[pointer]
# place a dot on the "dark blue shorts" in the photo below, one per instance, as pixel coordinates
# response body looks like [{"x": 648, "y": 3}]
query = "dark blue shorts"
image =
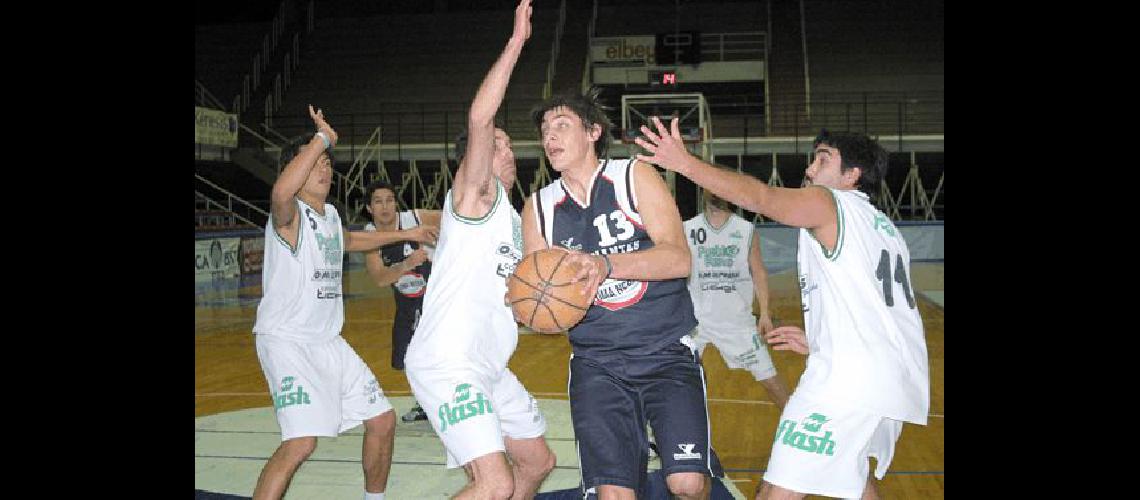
[
  {"x": 403, "y": 327},
  {"x": 611, "y": 400}
]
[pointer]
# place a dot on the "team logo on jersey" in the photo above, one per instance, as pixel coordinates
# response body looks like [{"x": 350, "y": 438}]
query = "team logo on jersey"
[
  {"x": 787, "y": 435},
  {"x": 462, "y": 407},
  {"x": 619, "y": 294},
  {"x": 726, "y": 287},
  {"x": 326, "y": 275},
  {"x": 569, "y": 243},
  {"x": 411, "y": 285},
  {"x": 286, "y": 396},
  {"x": 718, "y": 255},
  {"x": 736, "y": 234},
  {"x": 686, "y": 452},
  {"x": 805, "y": 290},
  {"x": 882, "y": 222},
  {"x": 511, "y": 255},
  {"x": 330, "y": 247}
]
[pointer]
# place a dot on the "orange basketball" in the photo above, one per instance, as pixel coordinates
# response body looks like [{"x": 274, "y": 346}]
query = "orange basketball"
[{"x": 543, "y": 294}]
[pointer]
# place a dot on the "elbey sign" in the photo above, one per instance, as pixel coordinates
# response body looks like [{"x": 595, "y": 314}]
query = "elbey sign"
[{"x": 624, "y": 49}]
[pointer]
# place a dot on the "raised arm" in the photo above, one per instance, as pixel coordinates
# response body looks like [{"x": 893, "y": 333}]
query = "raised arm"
[
  {"x": 283, "y": 208},
  {"x": 812, "y": 208},
  {"x": 473, "y": 192}
]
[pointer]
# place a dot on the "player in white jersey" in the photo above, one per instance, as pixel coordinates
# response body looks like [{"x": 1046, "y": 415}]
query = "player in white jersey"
[
  {"x": 457, "y": 360},
  {"x": 727, "y": 269},
  {"x": 867, "y": 368},
  {"x": 319, "y": 385},
  {"x": 405, "y": 266}
]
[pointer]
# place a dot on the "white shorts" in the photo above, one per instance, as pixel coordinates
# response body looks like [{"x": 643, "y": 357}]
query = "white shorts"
[
  {"x": 318, "y": 389},
  {"x": 822, "y": 449},
  {"x": 471, "y": 412},
  {"x": 740, "y": 349}
]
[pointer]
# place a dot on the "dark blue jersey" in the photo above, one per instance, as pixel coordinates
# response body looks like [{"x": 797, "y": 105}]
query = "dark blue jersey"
[
  {"x": 408, "y": 290},
  {"x": 628, "y": 316}
]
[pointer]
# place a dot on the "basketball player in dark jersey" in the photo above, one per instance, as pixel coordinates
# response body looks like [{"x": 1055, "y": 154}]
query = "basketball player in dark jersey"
[
  {"x": 633, "y": 360},
  {"x": 405, "y": 266}
]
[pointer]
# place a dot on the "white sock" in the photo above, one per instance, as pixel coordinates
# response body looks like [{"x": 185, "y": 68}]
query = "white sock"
[{"x": 373, "y": 496}]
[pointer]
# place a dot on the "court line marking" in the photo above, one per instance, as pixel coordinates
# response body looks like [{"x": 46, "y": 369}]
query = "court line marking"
[
  {"x": 564, "y": 467},
  {"x": 423, "y": 433},
  {"x": 904, "y": 472},
  {"x": 356, "y": 461},
  {"x": 560, "y": 395}
]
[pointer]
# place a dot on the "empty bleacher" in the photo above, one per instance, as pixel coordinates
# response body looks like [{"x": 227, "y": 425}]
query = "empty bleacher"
[{"x": 412, "y": 74}]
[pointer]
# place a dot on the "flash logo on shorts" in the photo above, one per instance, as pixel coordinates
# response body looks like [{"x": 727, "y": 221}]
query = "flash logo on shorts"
[
  {"x": 686, "y": 452},
  {"x": 284, "y": 398},
  {"x": 787, "y": 435},
  {"x": 372, "y": 391},
  {"x": 450, "y": 415}
]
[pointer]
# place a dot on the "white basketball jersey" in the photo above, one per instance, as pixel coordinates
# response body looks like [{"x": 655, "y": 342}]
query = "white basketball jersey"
[
  {"x": 465, "y": 322},
  {"x": 301, "y": 289},
  {"x": 720, "y": 282},
  {"x": 864, "y": 331}
]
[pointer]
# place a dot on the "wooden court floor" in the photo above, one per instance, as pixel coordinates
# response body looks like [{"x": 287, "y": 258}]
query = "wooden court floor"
[{"x": 228, "y": 377}]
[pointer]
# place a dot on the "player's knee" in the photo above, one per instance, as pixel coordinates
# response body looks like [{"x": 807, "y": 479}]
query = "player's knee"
[
  {"x": 492, "y": 480},
  {"x": 686, "y": 484},
  {"x": 298, "y": 449},
  {"x": 769, "y": 491},
  {"x": 497, "y": 486},
  {"x": 545, "y": 463},
  {"x": 382, "y": 424}
]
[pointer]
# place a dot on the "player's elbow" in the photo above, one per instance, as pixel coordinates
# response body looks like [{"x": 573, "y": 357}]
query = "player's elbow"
[{"x": 479, "y": 119}]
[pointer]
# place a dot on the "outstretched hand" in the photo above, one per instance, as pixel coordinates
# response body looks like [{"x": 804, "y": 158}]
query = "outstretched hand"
[
  {"x": 788, "y": 338},
  {"x": 666, "y": 145},
  {"x": 423, "y": 234},
  {"x": 318, "y": 117},
  {"x": 522, "y": 20}
]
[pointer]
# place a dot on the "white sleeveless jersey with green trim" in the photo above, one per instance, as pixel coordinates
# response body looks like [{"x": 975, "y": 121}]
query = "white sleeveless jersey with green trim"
[
  {"x": 720, "y": 282},
  {"x": 465, "y": 322},
  {"x": 867, "y": 347},
  {"x": 301, "y": 288}
]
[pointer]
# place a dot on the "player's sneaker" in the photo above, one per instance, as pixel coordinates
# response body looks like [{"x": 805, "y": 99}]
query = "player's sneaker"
[{"x": 416, "y": 413}]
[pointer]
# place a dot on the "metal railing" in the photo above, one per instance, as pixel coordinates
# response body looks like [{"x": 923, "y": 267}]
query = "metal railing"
[
  {"x": 744, "y": 46},
  {"x": 241, "y": 209},
  {"x": 203, "y": 97},
  {"x": 586, "y": 69},
  {"x": 416, "y": 124},
  {"x": 554, "y": 49}
]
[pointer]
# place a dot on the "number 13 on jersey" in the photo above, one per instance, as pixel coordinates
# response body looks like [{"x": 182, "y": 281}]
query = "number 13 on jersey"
[{"x": 624, "y": 228}]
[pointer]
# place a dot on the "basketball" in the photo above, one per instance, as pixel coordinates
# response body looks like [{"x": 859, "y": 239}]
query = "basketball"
[{"x": 544, "y": 296}]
